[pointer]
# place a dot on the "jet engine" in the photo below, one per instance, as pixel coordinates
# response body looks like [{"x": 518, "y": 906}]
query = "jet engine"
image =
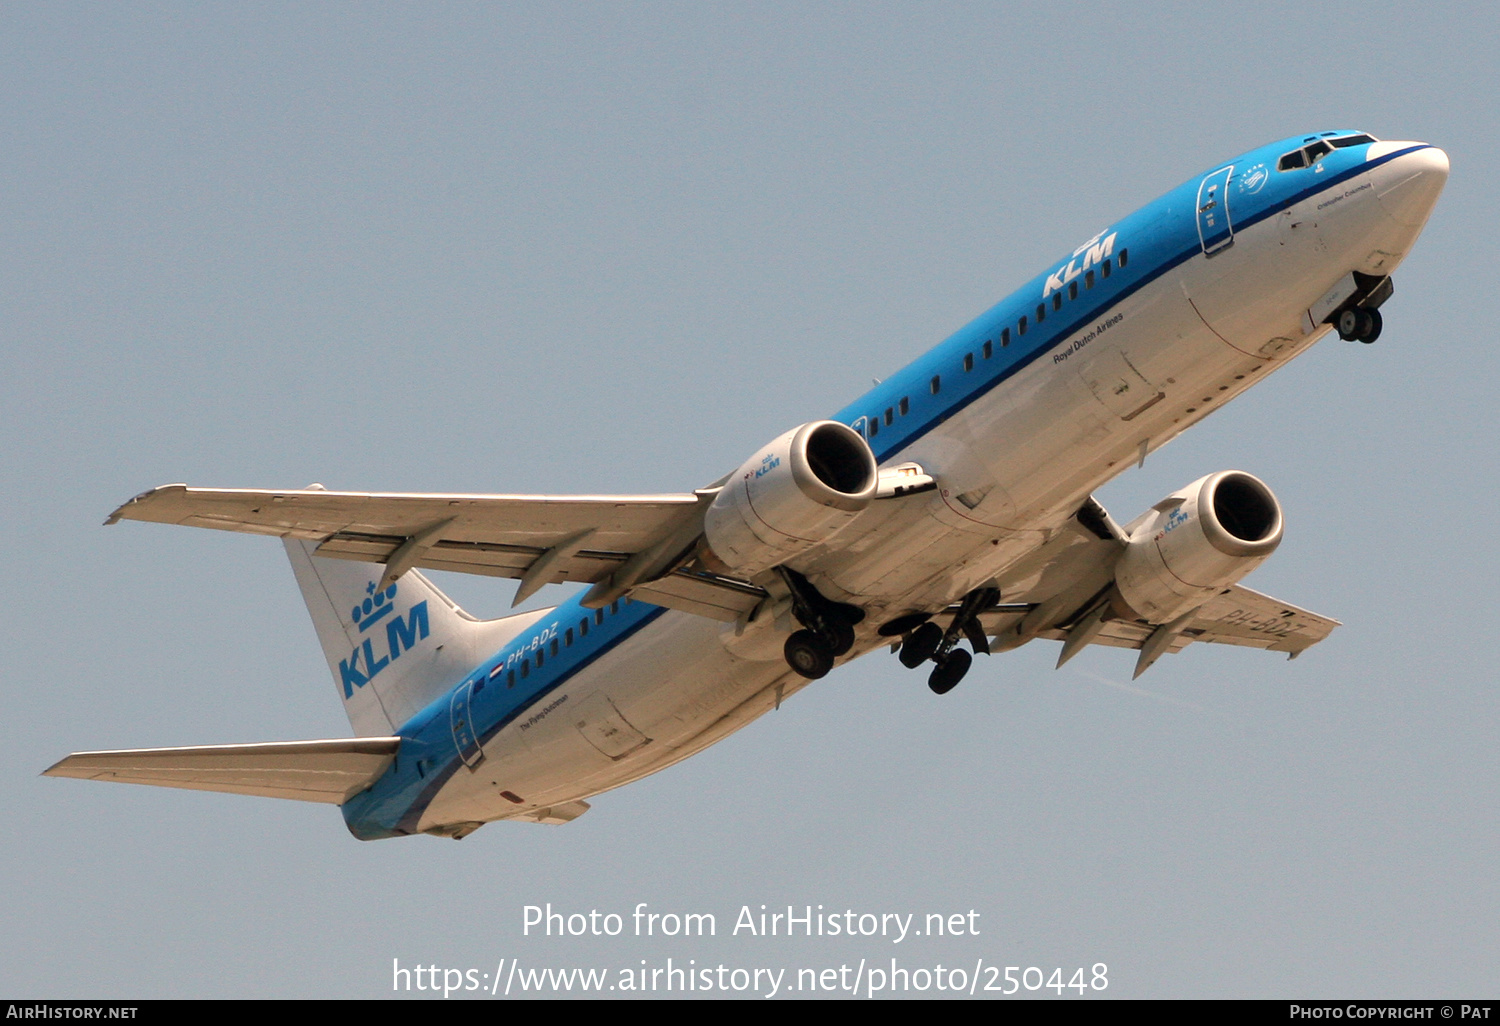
[
  {"x": 799, "y": 490},
  {"x": 1195, "y": 542}
]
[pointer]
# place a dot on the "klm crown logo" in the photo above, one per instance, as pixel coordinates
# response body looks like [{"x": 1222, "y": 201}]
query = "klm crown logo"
[
  {"x": 401, "y": 634},
  {"x": 375, "y": 606}
]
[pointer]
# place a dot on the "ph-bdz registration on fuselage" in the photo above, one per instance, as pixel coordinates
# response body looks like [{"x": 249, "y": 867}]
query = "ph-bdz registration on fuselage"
[{"x": 949, "y": 506}]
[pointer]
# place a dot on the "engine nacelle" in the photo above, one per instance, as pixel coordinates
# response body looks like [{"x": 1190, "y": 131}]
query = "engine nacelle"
[
  {"x": 796, "y": 492},
  {"x": 1197, "y": 541}
]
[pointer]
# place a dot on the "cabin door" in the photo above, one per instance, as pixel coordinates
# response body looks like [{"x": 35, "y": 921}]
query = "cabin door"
[
  {"x": 462, "y": 719},
  {"x": 1214, "y": 228}
]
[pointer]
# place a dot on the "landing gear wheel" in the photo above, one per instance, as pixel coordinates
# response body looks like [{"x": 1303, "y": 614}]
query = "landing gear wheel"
[
  {"x": 841, "y": 637},
  {"x": 950, "y": 671},
  {"x": 918, "y": 648},
  {"x": 1372, "y": 331},
  {"x": 808, "y": 654},
  {"x": 1349, "y": 323}
]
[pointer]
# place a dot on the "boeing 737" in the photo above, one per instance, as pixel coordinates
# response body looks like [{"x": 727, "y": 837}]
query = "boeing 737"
[{"x": 949, "y": 506}]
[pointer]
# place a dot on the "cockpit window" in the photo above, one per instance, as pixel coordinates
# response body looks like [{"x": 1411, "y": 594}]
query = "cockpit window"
[
  {"x": 1316, "y": 152},
  {"x": 1317, "y": 149}
]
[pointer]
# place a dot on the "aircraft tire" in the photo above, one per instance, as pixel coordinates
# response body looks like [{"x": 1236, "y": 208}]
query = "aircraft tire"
[
  {"x": 841, "y": 639},
  {"x": 918, "y": 648},
  {"x": 808, "y": 654},
  {"x": 1348, "y": 324},
  {"x": 1372, "y": 331},
  {"x": 946, "y": 675}
]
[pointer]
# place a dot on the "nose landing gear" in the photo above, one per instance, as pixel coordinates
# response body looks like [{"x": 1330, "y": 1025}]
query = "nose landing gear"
[
  {"x": 1358, "y": 314},
  {"x": 1359, "y": 323}
]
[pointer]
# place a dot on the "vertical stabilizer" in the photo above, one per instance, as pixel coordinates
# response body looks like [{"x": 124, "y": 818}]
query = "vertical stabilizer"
[{"x": 392, "y": 650}]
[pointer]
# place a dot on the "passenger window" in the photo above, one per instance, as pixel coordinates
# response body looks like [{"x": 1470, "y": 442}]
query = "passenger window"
[
  {"x": 1022, "y": 326},
  {"x": 1124, "y": 258},
  {"x": 989, "y": 349},
  {"x": 1005, "y": 338},
  {"x": 968, "y": 361},
  {"x": 568, "y": 638},
  {"x": 1072, "y": 290},
  {"x": 525, "y": 668},
  {"x": 599, "y": 616},
  {"x": 937, "y": 382},
  {"x": 541, "y": 658},
  {"x": 1041, "y": 312},
  {"x": 510, "y": 679},
  {"x": 1057, "y": 300},
  {"x": 1106, "y": 268},
  {"x": 874, "y": 425},
  {"x": 903, "y": 406},
  {"x": 583, "y": 627},
  {"x": 614, "y": 607},
  {"x": 1088, "y": 280},
  {"x": 555, "y": 646},
  {"x": 890, "y": 415}
]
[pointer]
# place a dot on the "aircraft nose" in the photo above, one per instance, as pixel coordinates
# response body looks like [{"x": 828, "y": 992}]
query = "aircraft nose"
[{"x": 1410, "y": 184}]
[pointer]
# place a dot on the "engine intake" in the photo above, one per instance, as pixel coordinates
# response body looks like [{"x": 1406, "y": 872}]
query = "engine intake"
[
  {"x": 800, "y": 490},
  {"x": 1197, "y": 541}
]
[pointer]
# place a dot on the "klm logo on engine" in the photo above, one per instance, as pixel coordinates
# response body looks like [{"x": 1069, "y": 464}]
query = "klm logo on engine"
[
  {"x": 401, "y": 635},
  {"x": 1175, "y": 519},
  {"x": 1095, "y": 251},
  {"x": 767, "y": 465}
]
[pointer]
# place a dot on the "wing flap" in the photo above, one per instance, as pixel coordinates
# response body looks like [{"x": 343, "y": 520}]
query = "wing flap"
[
  {"x": 328, "y": 771},
  {"x": 701, "y": 593}
]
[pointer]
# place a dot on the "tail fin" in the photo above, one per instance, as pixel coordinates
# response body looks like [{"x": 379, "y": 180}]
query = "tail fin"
[{"x": 393, "y": 650}]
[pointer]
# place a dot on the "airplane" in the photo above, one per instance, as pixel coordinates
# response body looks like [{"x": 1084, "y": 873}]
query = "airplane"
[{"x": 949, "y": 505}]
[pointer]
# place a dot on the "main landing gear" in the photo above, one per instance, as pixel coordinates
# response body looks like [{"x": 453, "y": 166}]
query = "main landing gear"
[
  {"x": 828, "y": 627},
  {"x": 925, "y": 640},
  {"x": 1359, "y": 323}
]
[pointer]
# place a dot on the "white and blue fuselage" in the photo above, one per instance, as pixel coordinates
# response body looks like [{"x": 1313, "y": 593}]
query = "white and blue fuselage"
[{"x": 1107, "y": 354}]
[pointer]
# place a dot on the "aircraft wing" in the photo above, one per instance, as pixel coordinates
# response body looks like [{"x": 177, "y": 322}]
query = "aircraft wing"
[
  {"x": 1236, "y": 616},
  {"x": 616, "y": 542},
  {"x": 1077, "y": 561},
  {"x": 311, "y": 771}
]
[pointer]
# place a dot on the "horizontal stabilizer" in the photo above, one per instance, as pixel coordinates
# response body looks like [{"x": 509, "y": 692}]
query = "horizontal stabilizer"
[{"x": 329, "y": 771}]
